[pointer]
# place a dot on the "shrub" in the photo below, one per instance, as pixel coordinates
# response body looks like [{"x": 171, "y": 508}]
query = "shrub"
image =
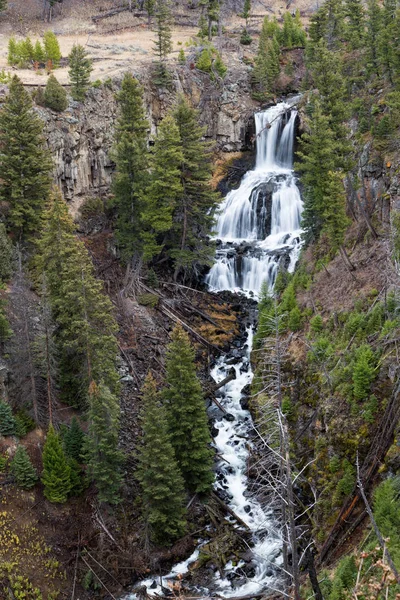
[
  {"x": 55, "y": 97},
  {"x": 316, "y": 324},
  {"x": 363, "y": 372},
  {"x": 245, "y": 38},
  {"x": 181, "y": 57}
]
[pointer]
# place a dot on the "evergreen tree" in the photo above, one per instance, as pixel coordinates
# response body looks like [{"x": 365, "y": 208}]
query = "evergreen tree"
[
  {"x": 246, "y": 10},
  {"x": 193, "y": 217},
  {"x": 388, "y": 39},
  {"x": 328, "y": 79},
  {"x": 102, "y": 455},
  {"x": 165, "y": 189},
  {"x": 5, "y": 330},
  {"x": 266, "y": 66},
  {"x": 73, "y": 441},
  {"x": 38, "y": 52},
  {"x": 52, "y": 50},
  {"x": 187, "y": 415},
  {"x": 8, "y": 424},
  {"x": 21, "y": 467},
  {"x": 163, "y": 43},
  {"x": 3, "y": 5},
  {"x": 56, "y": 474},
  {"x": 363, "y": 372},
  {"x": 26, "y": 51},
  {"x": 318, "y": 154},
  {"x": 162, "y": 484},
  {"x": 213, "y": 14},
  {"x": 55, "y": 96},
  {"x": 374, "y": 24},
  {"x": 131, "y": 158},
  {"x": 24, "y": 162},
  {"x": 245, "y": 38},
  {"x": 355, "y": 26},
  {"x": 13, "y": 53},
  {"x": 335, "y": 221},
  {"x": 80, "y": 67},
  {"x": 82, "y": 312},
  {"x": 6, "y": 254}
]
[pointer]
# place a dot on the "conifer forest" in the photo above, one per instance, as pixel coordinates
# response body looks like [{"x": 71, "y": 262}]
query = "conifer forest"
[{"x": 199, "y": 300}]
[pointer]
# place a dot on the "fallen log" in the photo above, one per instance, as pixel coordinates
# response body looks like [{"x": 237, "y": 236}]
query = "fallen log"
[
  {"x": 230, "y": 511},
  {"x": 168, "y": 313},
  {"x": 228, "y": 378},
  {"x": 115, "y": 11}
]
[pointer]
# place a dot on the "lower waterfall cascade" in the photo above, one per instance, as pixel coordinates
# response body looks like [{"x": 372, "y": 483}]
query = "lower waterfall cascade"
[{"x": 258, "y": 232}]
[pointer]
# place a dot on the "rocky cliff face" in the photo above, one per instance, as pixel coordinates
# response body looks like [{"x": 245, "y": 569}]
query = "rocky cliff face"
[{"x": 81, "y": 138}]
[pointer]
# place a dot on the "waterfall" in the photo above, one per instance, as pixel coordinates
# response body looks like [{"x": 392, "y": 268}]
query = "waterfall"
[
  {"x": 258, "y": 226},
  {"x": 258, "y": 229}
]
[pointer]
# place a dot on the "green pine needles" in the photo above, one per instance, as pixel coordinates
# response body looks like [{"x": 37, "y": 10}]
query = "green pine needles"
[
  {"x": 80, "y": 67},
  {"x": 161, "y": 481},
  {"x": 188, "y": 424},
  {"x": 8, "y": 425},
  {"x": 21, "y": 467},
  {"x": 131, "y": 157},
  {"x": 22, "y": 151},
  {"x": 56, "y": 475},
  {"x": 55, "y": 97},
  {"x": 101, "y": 445}
]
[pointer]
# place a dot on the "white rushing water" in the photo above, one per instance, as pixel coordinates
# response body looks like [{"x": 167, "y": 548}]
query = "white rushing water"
[
  {"x": 259, "y": 226},
  {"x": 259, "y": 229},
  {"x": 259, "y": 223}
]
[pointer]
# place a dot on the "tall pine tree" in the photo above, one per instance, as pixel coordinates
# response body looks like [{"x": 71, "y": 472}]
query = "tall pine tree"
[
  {"x": 83, "y": 313},
  {"x": 163, "y": 43},
  {"x": 162, "y": 484},
  {"x": 80, "y": 67},
  {"x": 25, "y": 163},
  {"x": 131, "y": 158},
  {"x": 318, "y": 153},
  {"x": 165, "y": 189},
  {"x": 102, "y": 455},
  {"x": 193, "y": 216},
  {"x": 188, "y": 424}
]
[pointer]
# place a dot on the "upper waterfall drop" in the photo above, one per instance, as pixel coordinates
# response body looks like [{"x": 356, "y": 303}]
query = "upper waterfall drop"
[{"x": 258, "y": 226}]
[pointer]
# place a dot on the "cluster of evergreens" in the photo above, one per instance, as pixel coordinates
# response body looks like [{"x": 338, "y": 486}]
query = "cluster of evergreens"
[
  {"x": 343, "y": 362},
  {"x": 210, "y": 61},
  {"x": 273, "y": 38},
  {"x": 23, "y": 53},
  {"x": 175, "y": 453},
  {"x": 163, "y": 199},
  {"x": 79, "y": 353}
]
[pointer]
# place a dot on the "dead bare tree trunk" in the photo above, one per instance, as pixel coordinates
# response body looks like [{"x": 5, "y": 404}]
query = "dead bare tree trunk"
[{"x": 375, "y": 526}]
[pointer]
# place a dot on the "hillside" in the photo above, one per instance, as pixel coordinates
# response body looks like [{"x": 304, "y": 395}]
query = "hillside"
[{"x": 199, "y": 300}]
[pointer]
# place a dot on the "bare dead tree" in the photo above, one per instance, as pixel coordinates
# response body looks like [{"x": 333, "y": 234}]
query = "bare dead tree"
[
  {"x": 276, "y": 471},
  {"x": 375, "y": 525}
]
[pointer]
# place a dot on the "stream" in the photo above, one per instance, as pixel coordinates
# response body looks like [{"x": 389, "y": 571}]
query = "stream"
[{"x": 257, "y": 232}]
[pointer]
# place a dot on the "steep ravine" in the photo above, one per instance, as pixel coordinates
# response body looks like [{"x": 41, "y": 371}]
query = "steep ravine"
[{"x": 272, "y": 246}]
